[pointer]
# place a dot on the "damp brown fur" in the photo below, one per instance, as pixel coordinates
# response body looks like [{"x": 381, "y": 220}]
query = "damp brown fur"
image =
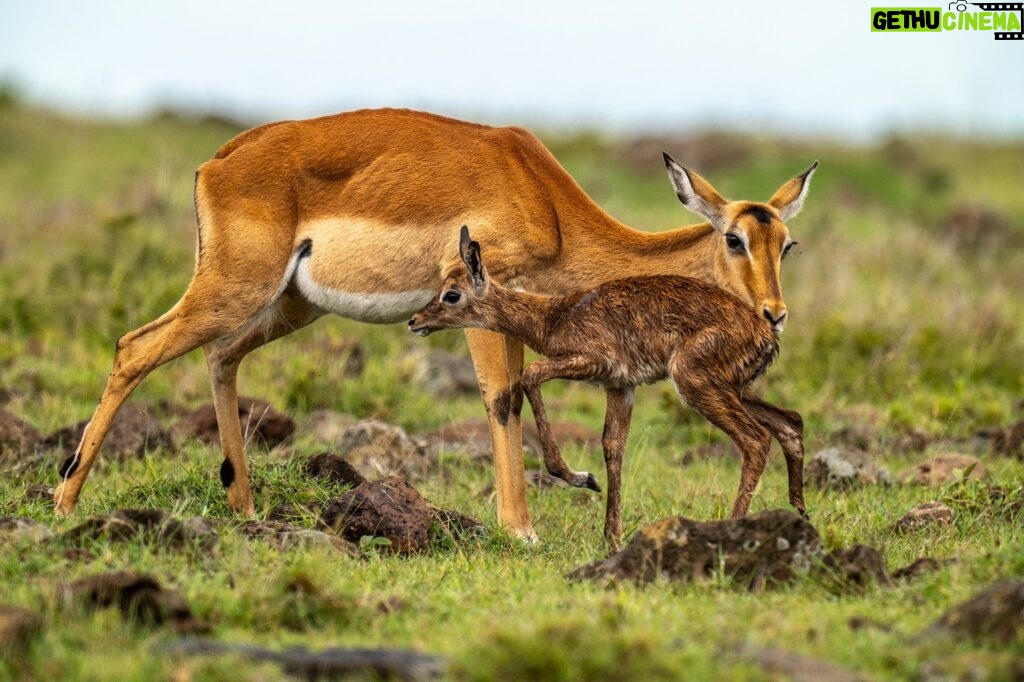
[{"x": 629, "y": 332}]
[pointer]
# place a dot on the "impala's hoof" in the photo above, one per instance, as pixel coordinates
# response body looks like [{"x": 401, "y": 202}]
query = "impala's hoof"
[{"x": 592, "y": 483}]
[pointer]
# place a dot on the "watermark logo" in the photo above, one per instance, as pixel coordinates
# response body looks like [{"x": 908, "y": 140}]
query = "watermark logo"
[{"x": 1002, "y": 19}]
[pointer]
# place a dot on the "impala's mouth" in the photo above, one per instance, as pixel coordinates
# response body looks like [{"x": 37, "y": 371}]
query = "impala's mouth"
[{"x": 419, "y": 329}]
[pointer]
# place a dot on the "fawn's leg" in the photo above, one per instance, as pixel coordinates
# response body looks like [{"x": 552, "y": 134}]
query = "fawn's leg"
[
  {"x": 722, "y": 407},
  {"x": 573, "y": 367},
  {"x": 788, "y": 428},
  {"x": 498, "y": 361},
  {"x": 616, "y": 431},
  {"x": 223, "y": 357}
]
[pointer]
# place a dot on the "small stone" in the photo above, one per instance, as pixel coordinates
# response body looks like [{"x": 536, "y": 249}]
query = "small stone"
[
  {"x": 377, "y": 449},
  {"x": 844, "y": 468},
  {"x": 18, "y": 627},
  {"x": 994, "y": 615},
  {"x": 331, "y": 468},
  {"x": 284, "y": 536},
  {"x": 389, "y": 508},
  {"x": 944, "y": 468},
  {"x": 923, "y": 515}
]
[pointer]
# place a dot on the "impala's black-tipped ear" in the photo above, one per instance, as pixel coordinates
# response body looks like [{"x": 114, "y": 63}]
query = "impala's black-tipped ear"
[
  {"x": 695, "y": 193},
  {"x": 470, "y": 252}
]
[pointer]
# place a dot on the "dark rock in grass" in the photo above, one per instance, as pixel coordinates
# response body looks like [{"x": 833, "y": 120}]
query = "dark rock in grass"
[
  {"x": 17, "y": 437},
  {"x": 18, "y": 627},
  {"x": 329, "y": 664},
  {"x": 844, "y": 468},
  {"x": 919, "y": 567},
  {"x": 924, "y": 515},
  {"x": 262, "y": 425},
  {"x": 995, "y": 615},
  {"x": 138, "y": 596},
  {"x": 854, "y": 568},
  {"x": 458, "y": 525},
  {"x": 133, "y": 433},
  {"x": 944, "y": 468},
  {"x": 18, "y": 528},
  {"x": 782, "y": 664},
  {"x": 39, "y": 492},
  {"x": 154, "y": 524},
  {"x": 389, "y": 508},
  {"x": 284, "y": 536},
  {"x": 377, "y": 449},
  {"x": 755, "y": 551},
  {"x": 331, "y": 468}
]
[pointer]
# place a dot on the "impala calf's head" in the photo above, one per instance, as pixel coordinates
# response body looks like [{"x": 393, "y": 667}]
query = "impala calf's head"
[
  {"x": 461, "y": 301},
  {"x": 753, "y": 237}
]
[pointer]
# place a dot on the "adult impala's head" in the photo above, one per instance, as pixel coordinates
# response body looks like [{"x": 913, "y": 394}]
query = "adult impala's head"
[{"x": 752, "y": 237}]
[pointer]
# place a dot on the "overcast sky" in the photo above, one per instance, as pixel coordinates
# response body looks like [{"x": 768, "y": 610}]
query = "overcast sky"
[{"x": 799, "y": 66}]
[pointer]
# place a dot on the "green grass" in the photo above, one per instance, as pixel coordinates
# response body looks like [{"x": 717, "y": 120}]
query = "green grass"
[{"x": 891, "y": 322}]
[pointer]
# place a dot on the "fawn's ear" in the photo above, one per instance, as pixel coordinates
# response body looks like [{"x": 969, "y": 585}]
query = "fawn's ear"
[
  {"x": 696, "y": 193},
  {"x": 790, "y": 197},
  {"x": 470, "y": 252}
]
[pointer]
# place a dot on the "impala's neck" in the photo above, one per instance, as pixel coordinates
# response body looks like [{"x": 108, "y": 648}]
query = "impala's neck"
[{"x": 518, "y": 314}]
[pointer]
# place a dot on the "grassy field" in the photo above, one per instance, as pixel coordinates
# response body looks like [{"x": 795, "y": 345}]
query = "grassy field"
[{"x": 905, "y": 318}]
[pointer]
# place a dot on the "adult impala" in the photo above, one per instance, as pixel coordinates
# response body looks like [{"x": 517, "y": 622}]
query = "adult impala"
[{"x": 357, "y": 214}]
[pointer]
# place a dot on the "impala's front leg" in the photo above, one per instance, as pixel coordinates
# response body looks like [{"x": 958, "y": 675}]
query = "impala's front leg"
[
  {"x": 535, "y": 375},
  {"x": 499, "y": 365},
  {"x": 617, "y": 417}
]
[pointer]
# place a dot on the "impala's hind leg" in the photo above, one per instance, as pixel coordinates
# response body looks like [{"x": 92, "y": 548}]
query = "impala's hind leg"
[
  {"x": 536, "y": 374},
  {"x": 721, "y": 405},
  {"x": 194, "y": 321},
  {"x": 223, "y": 357},
  {"x": 788, "y": 428}
]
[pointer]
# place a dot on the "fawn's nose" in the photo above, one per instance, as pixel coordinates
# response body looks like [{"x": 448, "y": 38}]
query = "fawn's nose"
[{"x": 776, "y": 317}]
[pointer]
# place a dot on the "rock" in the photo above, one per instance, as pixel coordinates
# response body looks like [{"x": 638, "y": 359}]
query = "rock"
[
  {"x": 788, "y": 665},
  {"x": 328, "y": 426},
  {"x": 377, "y": 450},
  {"x": 763, "y": 549},
  {"x": 127, "y": 524},
  {"x": 18, "y": 627},
  {"x": 855, "y": 568},
  {"x": 284, "y": 536},
  {"x": 944, "y": 468},
  {"x": 843, "y": 468},
  {"x": 331, "y": 468},
  {"x": 446, "y": 375},
  {"x": 328, "y": 664},
  {"x": 927, "y": 514},
  {"x": 18, "y": 528},
  {"x": 262, "y": 425},
  {"x": 17, "y": 437},
  {"x": 133, "y": 433},
  {"x": 919, "y": 567},
  {"x": 995, "y": 615},
  {"x": 39, "y": 492},
  {"x": 138, "y": 596},
  {"x": 388, "y": 508}
]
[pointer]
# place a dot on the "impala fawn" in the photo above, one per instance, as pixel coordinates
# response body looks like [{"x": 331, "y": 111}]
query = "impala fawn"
[{"x": 625, "y": 333}]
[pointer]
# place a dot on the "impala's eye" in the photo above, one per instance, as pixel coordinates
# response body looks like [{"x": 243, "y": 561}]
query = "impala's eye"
[
  {"x": 788, "y": 247},
  {"x": 734, "y": 242},
  {"x": 451, "y": 297}
]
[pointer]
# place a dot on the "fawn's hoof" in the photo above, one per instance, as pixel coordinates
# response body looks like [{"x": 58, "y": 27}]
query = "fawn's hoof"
[{"x": 592, "y": 483}]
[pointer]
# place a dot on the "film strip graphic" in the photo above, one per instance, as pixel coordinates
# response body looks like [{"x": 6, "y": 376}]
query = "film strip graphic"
[{"x": 1005, "y": 7}]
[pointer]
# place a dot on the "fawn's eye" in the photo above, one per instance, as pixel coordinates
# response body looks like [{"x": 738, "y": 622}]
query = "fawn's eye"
[
  {"x": 451, "y": 296},
  {"x": 734, "y": 242}
]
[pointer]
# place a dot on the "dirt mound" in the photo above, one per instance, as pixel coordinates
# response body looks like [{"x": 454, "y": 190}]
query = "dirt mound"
[
  {"x": 377, "y": 449},
  {"x": 284, "y": 536},
  {"x": 139, "y": 597},
  {"x": 127, "y": 524},
  {"x": 262, "y": 425},
  {"x": 133, "y": 433},
  {"x": 331, "y": 468},
  {"x": 389, "y": 508},
  {"x": 924, "y": 516},
  {"x": 17, "y": 437},
  {"x": 996, "y": 615},
  {"x": 944, "y": 468}
]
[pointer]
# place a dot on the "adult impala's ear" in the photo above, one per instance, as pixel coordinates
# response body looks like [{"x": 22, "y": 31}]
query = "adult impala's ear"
[
  {"x": 790, "y": 197},
  {"x": 470, "y": 252},
  {"x": 696, "y": 193}
]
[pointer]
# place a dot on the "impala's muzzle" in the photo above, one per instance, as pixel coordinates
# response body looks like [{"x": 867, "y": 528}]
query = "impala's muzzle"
[{"x": 419, "y": 328}]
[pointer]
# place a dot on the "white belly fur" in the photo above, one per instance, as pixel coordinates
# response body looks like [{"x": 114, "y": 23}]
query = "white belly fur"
[{"x": 380, "y": 308}]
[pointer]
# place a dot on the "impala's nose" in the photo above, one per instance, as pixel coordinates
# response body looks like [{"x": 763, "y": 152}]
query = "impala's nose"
[{"x": 776, "y": 318}]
